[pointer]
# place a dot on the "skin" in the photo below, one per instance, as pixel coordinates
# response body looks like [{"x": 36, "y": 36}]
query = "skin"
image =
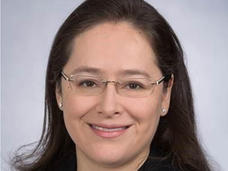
[{"x": 112, "y": 48}]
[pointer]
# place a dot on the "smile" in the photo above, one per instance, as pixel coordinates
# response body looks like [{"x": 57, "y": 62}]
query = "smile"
[{"x": 105, "y": 131}]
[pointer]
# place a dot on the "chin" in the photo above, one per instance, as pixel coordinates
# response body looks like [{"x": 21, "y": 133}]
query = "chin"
[
  {"x": 111, "y": 159},
  {"x": 109, "y": 155}
]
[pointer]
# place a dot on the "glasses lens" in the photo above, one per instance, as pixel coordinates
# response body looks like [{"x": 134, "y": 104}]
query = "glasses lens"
[
  {"x": 91, "y": 86},
  {"x": 135, "y": 88},
  {"x": 87, "y": 86}
]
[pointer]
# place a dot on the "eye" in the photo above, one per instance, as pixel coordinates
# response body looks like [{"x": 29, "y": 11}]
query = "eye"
[
  {"x": 134, "y": 85},
  {"x": 87, "y": 83}
]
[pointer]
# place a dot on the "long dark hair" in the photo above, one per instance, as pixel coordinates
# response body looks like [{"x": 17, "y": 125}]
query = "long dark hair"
[{"x": 176, "y": 134}]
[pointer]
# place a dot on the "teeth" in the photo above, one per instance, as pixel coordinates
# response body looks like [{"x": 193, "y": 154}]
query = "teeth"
[{"x": 107, "y": 129}]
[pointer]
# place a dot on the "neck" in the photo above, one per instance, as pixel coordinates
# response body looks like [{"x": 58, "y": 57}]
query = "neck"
[{"x": 85, "y": 164}]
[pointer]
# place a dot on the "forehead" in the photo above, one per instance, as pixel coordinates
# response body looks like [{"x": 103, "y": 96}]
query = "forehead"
[{"x": 112, "y": 47}]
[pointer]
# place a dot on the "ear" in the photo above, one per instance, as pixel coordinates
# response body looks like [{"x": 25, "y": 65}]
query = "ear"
[
  {"x": 166, "y": 96},
  {"x": 58, "y": 95}
]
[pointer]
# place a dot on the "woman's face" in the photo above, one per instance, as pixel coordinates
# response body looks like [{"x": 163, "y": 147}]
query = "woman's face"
[{"x": 110, "y": 129}]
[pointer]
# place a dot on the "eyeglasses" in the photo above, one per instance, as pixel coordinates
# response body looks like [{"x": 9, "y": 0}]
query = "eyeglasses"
[{"x": 129, "y": 87}]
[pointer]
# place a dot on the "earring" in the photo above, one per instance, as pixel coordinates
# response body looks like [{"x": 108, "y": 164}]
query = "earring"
[
  {"x": 60, "y": 105},
  {"x": 163, "y": 110}
]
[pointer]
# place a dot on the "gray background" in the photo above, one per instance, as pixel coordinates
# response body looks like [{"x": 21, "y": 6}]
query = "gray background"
[{"x": 28, "y": 29}]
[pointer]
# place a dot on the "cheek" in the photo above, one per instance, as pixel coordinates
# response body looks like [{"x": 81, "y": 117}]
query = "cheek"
[
  {"x": 74, "y": 108},
  {"x": 144, "y": 109},
  {"x": 146, "y": 113},
  {"x": 77, "y": 107}
]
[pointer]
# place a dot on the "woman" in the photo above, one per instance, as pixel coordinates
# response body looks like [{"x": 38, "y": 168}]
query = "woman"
[{"x": 118, "y": 95}]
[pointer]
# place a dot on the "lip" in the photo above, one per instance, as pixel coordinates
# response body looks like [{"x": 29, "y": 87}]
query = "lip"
[{"x": 109, "y": 131}]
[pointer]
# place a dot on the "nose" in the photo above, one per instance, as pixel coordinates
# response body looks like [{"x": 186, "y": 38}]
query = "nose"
[{"x": 108, "y": 105}]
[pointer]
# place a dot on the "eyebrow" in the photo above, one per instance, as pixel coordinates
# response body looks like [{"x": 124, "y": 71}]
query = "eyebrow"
[
  {"x": 85, "y": 69},
  {"x": 96, "y": 71},
  {"x": 130, "y": 72}
]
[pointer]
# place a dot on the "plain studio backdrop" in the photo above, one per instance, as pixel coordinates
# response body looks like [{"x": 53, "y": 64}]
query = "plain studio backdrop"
[{"x": 28, "y": 29}]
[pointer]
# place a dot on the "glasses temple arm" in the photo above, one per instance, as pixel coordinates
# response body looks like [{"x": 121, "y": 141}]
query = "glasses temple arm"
[
  {"x": 160, "y": 80},
  {"x": 65, "y": 76},
  {"x": 163, "y": 78}
]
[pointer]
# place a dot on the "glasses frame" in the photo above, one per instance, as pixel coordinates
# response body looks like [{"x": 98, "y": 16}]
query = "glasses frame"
[{"x": 159, "y": 81}]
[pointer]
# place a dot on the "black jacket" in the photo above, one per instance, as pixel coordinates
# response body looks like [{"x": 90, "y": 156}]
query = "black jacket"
[{"x": 150, "y": 164}]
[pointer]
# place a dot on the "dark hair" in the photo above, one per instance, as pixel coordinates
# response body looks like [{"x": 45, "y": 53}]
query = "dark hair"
[{"x": 176, "y": 134}]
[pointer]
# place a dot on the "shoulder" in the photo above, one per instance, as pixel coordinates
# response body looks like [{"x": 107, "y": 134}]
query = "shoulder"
[
  {"x": 157, "y": 164},
  {"x": 157, "y": 161},
  {"x": 66, "y": 164}
]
